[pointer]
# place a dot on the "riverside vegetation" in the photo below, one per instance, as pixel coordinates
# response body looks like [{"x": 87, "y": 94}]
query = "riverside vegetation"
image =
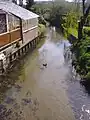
[{"x": 65, "y": 15}]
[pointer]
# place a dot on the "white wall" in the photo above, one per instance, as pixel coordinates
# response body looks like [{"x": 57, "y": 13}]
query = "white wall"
[
  {"x": 30, "y": 29},
  {"x": 30, "y": 35}
]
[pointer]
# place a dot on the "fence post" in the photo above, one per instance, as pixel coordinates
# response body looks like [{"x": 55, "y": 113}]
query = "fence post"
[
  {"x": 14, "y": 55},
  {"x": 19, "y": 53},
  {"x": 25, "y": 48},
  {"x": 22, "y": 50},
  {"x": 10, "y": 58},
  {"x": 28, "y": 45},
  {"x": 31, "y": 45},
  {"x": 1, "y": 66}
]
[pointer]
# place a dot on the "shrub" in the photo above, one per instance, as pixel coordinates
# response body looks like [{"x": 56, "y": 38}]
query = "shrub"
[
  {"x": 41, "y": 30},
  {"x": 86, "y": 30},
  {"x": 87, "y": 77}
]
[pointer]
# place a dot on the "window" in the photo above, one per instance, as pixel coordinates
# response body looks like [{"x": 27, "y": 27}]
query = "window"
[{"x": 3, "y": 24}]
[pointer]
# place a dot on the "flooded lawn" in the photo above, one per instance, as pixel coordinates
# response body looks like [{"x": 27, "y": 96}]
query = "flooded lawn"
[{"x": 43, "y": 88}]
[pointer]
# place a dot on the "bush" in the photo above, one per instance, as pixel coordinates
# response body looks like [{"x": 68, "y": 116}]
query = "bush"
[
  {"x": 42, "y": 21},
  {"x": 87, "y": 77},
  {"x": 86, "y": 30},
  {"x": 41, "y": 30}
]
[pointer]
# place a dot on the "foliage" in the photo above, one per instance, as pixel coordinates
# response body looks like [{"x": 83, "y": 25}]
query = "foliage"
[
  {"x": 86, "y": 31},
  {"x": 70, "y": 20},
  {"x": 87, "y": 76},
  {"x": 81, "y": 50},
  {"x": 41, "y": 30},
  {"x": 80, "y": 47},
  {"x": 56, "y": 15},
  {"x": 29, "y": 3},
  {"x": 42, "y": 8},
  {"x": 42, "y": 21},
  {"x": 52, "y": 11},
  {"x": 62, "y": 14},
  {"x": 73, "y": 32}
]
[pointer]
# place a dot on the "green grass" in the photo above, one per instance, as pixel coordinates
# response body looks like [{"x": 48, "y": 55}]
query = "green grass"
[{"x": 73, "y": 31}]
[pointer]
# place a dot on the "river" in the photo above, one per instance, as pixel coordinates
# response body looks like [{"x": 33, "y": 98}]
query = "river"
[{"x": 42, "y": 86}]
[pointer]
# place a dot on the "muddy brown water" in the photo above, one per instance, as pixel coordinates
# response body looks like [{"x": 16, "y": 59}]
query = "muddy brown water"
[{"x": 43, "y": 92}]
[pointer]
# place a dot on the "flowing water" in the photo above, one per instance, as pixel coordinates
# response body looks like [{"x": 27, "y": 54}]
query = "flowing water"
[{"x": 45, "y": 86}]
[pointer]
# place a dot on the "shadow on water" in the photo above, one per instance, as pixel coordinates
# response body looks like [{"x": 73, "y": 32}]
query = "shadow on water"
[{"x": 86, "y": 85}]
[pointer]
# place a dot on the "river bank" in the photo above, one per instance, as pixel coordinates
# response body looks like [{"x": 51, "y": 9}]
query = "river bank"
[{"x": 81, "y": 52}]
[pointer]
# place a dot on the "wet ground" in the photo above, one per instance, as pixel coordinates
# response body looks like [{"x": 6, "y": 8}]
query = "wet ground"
[{"x": 42, "y": 86}]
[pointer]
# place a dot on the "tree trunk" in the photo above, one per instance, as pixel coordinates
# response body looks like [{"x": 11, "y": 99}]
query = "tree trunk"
[
  {"x": 82, "y": 22},
  {"x": 83, "y": 4}
]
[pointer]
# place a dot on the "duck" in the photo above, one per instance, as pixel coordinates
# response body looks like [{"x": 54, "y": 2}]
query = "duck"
[{"x": 45, "y": 64}]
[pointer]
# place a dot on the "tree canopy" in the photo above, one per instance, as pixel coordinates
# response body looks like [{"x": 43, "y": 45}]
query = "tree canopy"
[{"x": 29, "y": 3}]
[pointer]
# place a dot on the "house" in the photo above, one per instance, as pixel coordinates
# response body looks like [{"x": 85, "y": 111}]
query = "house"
[{"x": 16, "y": 24}]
